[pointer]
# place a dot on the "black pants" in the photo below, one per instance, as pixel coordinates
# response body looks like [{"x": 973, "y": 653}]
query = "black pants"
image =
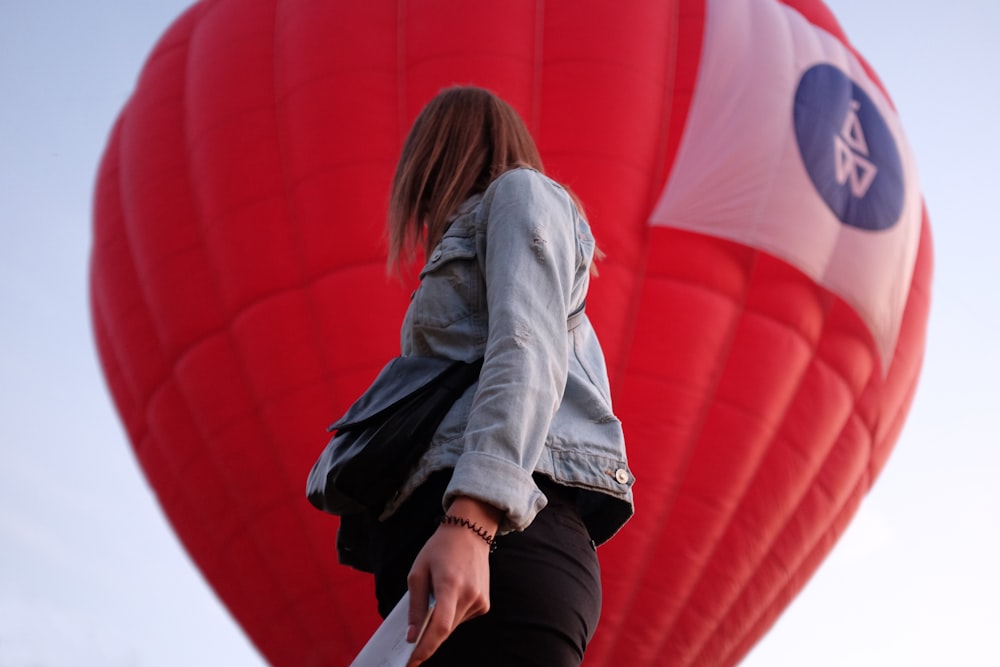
[{"x": 545, "y": 588}]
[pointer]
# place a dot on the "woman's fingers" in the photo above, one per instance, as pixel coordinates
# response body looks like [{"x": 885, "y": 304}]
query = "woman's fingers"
[
  {"x": 453, "y": 566},
  {"x": 455, "y": 598},
  {"x": 418, "y": 583},
  {"x": 441, "y": 624}
]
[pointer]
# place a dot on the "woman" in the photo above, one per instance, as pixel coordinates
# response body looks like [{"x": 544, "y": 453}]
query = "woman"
[{"x": 532, "y": 454}]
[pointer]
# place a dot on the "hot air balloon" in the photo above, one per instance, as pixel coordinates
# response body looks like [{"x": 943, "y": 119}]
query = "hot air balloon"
[{"x": 763, "y": 301}]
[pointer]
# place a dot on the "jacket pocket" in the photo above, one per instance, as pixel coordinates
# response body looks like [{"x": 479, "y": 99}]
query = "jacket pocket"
[{"x": 448, "y": 283}]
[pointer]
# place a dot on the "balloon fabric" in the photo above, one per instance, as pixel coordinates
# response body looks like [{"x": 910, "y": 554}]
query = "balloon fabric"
[{"x": 762, "y": 303}]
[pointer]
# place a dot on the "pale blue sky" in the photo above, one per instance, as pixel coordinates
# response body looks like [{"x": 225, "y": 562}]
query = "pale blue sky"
[{"x": 90, "y": 573}]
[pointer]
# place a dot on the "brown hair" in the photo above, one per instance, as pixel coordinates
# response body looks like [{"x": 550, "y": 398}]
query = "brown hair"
[{"x": 462, "y": 140}]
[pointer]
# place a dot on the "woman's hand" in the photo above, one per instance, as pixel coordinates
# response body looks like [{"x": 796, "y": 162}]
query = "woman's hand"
[{"x": 454, "y": 566}]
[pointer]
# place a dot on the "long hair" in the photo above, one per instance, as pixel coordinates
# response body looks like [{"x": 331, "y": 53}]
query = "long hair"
[{"x": 462, "y": 140}]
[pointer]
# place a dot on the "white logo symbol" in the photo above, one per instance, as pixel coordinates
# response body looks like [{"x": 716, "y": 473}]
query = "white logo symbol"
[{"x": 851, "y": 154}]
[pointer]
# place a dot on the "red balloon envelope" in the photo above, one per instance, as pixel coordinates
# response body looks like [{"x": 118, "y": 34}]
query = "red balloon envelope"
[{"x": 762, "y": 305}]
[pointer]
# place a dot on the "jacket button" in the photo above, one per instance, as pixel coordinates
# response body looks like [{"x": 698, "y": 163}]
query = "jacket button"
[{"x": 621, "y": 475}]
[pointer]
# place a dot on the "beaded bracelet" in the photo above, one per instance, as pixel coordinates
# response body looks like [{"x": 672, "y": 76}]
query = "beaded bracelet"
[{"x": 450, "y": 520}]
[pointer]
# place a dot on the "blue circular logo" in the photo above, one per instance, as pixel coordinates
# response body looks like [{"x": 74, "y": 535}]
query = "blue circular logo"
[{"x": 848, "y": 150}]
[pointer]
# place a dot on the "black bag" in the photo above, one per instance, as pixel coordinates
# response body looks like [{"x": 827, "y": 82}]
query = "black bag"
[{"x": 385, "y": 432}]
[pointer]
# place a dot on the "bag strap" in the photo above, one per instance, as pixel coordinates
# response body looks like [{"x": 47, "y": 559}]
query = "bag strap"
[{"x": 575, "y": 318}]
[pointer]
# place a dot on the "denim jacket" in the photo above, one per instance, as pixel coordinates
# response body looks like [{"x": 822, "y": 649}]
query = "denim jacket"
[{"x": 511, "y": 268}]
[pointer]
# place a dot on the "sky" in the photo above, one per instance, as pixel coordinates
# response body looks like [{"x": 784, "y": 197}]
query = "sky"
[{"x": 90, "y": 572}]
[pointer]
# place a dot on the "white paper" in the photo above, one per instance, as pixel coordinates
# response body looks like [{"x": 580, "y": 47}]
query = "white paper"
[{"x": 388, "y": 646}]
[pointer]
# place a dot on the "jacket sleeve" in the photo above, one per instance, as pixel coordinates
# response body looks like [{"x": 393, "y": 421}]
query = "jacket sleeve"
[{"x": 527, "y": 247}]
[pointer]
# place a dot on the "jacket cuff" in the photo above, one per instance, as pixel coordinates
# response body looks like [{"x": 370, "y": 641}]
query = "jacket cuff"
[{"x": 504, "y": 485}]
